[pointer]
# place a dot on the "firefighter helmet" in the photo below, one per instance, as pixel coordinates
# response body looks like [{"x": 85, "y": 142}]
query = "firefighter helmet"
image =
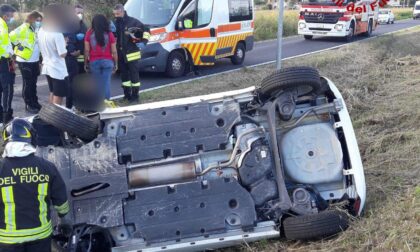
[{"x": 19, "y": 130}]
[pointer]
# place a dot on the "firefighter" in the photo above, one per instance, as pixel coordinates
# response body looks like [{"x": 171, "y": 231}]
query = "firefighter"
[
  {"x": 29, "y": 185},
  {"x": 80, "y": 38},
  {"x": 7, "y": 65},
  {"x": 27, "y": 55},
  {"x": 131, "y": 34}
]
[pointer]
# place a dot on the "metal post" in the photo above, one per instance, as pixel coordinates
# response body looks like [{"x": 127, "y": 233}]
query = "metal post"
[{"x": 280, "y": 32}]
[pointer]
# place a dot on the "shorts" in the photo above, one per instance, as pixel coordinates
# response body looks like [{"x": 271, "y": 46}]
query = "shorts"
[{"x": 57, "y": 87}]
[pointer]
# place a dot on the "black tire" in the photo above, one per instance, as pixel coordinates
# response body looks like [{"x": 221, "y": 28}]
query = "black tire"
[
  {"x": 67, "y": 121},
  {"x": 315, "y": 226},
  {"x": 176, "y": 65},
  {"x": 369, "y": 31},
  {"x": 239, "y": 55},
  {"x": 389, "y": 21},
  {"x": 308, "y": 37},
  {"x": 350, "y": 37},
  {"x": 306, "y": 79},
  {"x": 392, "y": 22}
]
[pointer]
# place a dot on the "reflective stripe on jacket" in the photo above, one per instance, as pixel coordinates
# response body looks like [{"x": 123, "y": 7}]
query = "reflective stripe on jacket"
[
  {"x": 28, "y": 186},
  {"x": 125, "y": 43},
  {"x": 23, "y": 38}
]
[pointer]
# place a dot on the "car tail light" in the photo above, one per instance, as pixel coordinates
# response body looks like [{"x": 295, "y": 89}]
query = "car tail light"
[{"x": 356, "y": 205}]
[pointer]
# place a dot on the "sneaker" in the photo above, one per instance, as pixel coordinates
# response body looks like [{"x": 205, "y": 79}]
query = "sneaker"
[
  {"x": 37, "y": 106},
  {"x": 110, "y": 104},
  {"x": 31, "y": 109}
]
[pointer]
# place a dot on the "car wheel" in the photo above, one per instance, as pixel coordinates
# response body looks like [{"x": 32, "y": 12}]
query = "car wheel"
[
  {"x": 308, "y": 37},
  {"x": 176, "y": 65},
  {"x": 350, "y": 36},
  {"x": 239, "y": 56},
  {"x": 393, "y": 21},
  {"x": 389, "y": 21},
  {"x": 369, "y": 31},
  {"x": 315, "y": 226},
  {"x": 305, "y": 79},
  {"x": 67, "y": 121}
]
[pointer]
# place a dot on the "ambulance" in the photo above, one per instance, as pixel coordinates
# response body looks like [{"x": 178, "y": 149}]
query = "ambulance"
[{"x": 190, "y": 33}]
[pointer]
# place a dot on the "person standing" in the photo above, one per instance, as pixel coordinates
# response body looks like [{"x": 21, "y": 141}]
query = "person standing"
[
  {"x": 7, "y": 65},
  {"x": 53, "y": 49},
  {"x": 80, "y": 35},
  {"x": 24, "y": 39},
  {"x": 29, "y": 186},
  {"x": 101, "y": 54},
  {"x": 72, "y": 65},
  {"x": 130, "y": 32}
]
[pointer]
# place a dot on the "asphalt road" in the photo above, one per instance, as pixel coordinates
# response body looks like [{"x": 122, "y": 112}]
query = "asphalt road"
[{"x": 263, "y": 52}]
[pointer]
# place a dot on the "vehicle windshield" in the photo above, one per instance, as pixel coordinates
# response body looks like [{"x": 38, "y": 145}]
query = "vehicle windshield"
[
  {"x": 154, "y": 13},
  {"x": 322, "y": 2},
  {"x": 383, "y": 12},
  {"x": 417, "y": 7}
]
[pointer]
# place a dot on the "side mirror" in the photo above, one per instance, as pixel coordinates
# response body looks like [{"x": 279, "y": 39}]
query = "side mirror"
[{"x": 179, "y": 25}]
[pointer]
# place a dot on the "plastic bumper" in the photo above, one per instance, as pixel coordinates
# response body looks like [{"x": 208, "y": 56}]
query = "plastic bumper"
[
  {"x": 356, "y": 170},
  {"x": 153, "y": 58},
  {"x": 327, "y": 30}
]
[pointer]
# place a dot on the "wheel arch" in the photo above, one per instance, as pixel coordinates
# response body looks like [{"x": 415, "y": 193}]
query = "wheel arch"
[{"x": 242, "y": 41}]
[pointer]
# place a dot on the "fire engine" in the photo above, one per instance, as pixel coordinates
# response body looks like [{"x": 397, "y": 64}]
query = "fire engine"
[{"x": 338, "y": 18}]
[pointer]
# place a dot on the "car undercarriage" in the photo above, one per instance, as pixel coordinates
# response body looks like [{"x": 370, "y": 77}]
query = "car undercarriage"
[{"x": 210, "y": 171}]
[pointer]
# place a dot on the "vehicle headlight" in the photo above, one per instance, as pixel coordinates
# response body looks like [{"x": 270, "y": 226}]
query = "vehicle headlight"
[
  {"x": 302, "y": 25},
  {"x": 338, "y": 27},
  {"x": 158, "y": 37}
]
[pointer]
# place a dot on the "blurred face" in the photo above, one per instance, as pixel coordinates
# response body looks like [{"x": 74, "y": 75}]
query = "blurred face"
[
  {"x": 36, "y": 23},
  {"x": 118, "y": 13},
  {"x": 34, "y": 20},
  {"x": 79, "y": 13},
  {"x": 8, "y": 17}
]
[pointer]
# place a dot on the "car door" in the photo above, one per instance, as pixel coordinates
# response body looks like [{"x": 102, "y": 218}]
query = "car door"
[
  {"x": 234, "y": 27},
  {"x": 198, "y": 35}
]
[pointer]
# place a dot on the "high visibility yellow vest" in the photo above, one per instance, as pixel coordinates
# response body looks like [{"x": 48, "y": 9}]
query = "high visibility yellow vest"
[
  {"x": 4, "y": 39},
  {"x": 23, "y": 38}
]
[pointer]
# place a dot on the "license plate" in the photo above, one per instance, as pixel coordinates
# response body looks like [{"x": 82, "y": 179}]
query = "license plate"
[{"x": 319, "y": 26}]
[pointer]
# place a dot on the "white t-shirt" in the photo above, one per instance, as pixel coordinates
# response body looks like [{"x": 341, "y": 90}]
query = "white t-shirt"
[{"x": 52, "y": 45}]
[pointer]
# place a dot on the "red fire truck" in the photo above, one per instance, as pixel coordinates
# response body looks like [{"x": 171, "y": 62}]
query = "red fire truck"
[{"x": 338, "y": 18}]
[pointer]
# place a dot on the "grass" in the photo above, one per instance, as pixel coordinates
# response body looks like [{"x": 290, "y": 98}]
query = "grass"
[
  {"x": 266, "y": 22},
  {"x": 380, "y": 82},
  {"x": 403, "y": 13}
]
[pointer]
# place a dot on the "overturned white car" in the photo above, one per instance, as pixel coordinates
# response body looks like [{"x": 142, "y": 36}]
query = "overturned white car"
[{"x": 209, "y": 171}]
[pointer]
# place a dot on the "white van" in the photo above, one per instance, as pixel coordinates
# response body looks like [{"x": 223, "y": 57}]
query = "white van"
[
  {"x": 188, "y": 33},
  {"x": 416, "y": 10}
]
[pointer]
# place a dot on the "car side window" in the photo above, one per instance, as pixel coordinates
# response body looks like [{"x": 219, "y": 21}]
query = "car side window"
[
  {"x": 204, "y": 12},
  {"x": 197, "y": 14},
  {"x": 240, "y": 10},
  {"x": 188, "y": 15}
]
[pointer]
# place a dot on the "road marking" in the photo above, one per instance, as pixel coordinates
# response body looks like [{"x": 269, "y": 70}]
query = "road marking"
[{"x": 265, "y": 63}]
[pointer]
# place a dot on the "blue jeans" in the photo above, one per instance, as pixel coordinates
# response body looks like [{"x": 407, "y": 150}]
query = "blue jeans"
[{"x": 102, "y": 72}]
